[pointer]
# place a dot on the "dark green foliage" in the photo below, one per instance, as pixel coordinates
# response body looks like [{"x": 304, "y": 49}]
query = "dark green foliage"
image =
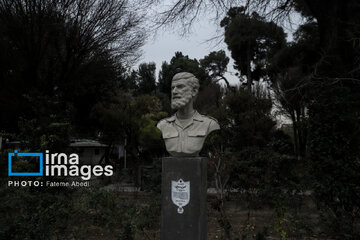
[
  {"x": 250, "y": 156},
  {"x": 122, "y": 116},
  {"x": 281, "y": 143},
  {"x": 334, "y": 159},
  {"x": 50, "y": 130},
  {"x": 146, "y": 78},
  {"x": 266, "y": 173},
  {"x": 263, "y": 234},
  {"x": 215, "y": 64},
  {"x": 291, "y": 69},
  {"x": 48, "y": 212},
  {"x": 66, "y": 214},
  {"x": 249, "y": 118},
  {"x": 334, "y": 119},
  {"x": 252, "y": 41}
]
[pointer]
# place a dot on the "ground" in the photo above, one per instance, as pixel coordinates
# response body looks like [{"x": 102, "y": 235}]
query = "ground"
[{"x": 257, "y": 224}]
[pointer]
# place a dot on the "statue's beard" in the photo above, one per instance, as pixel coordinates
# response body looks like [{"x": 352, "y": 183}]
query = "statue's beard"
[{"x": 177, "y": 103}]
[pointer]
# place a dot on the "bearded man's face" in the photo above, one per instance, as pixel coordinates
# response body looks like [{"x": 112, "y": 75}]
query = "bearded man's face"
[{"x": 181, "y": 94}]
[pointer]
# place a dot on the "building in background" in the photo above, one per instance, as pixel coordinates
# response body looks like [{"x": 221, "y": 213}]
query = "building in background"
[{"x": 93, "y": 152}]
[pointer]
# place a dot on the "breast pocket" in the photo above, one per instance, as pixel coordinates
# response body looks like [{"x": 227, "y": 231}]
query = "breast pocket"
[
  {"x": 171, "y": 138},
  {"x": 196, "y": 140}
]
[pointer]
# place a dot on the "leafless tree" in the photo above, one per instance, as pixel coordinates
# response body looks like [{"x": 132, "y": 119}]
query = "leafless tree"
[
  {"x": 187, "y": 12},
  {"x": 86, "y": 25}
]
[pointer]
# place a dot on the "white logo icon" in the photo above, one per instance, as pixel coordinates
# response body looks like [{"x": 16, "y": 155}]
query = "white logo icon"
[{"x": 180, "y": 194}]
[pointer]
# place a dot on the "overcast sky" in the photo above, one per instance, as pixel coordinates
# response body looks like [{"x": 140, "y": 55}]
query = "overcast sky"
[
  {"x": 162, "y": 46},
  {"x": 165, "y": 43}
]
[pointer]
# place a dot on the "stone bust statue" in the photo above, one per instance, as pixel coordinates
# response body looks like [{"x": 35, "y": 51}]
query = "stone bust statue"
[{"x": 185, "y": 132}]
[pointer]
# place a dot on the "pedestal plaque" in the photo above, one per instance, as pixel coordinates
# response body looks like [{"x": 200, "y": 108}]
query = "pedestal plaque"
[{"x": 183, "y": 193}]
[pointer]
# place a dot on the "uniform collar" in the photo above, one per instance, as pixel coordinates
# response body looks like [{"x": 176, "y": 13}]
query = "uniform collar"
[
  {"x": 171, "y": 119},
  {"x": 197, "y": 116}
]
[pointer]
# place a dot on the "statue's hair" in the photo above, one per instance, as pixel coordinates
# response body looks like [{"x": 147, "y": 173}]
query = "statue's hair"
[{"x": 191, "y": 79}]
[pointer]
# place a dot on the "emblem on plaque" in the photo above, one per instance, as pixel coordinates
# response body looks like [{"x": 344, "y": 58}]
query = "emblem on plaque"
[{"x": 180, "y": 194}]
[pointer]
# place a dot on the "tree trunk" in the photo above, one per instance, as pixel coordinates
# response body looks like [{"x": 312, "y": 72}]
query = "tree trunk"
[
  {"x": 296, "y": 135},
  {"x": 248, "y": 74}
]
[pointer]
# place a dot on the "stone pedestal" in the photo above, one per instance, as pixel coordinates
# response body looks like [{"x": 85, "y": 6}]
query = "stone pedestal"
[{"x": 183, "y": 193}]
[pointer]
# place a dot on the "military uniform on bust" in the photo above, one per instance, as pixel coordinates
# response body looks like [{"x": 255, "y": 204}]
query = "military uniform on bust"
[{"x": 188, "y": 139}]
